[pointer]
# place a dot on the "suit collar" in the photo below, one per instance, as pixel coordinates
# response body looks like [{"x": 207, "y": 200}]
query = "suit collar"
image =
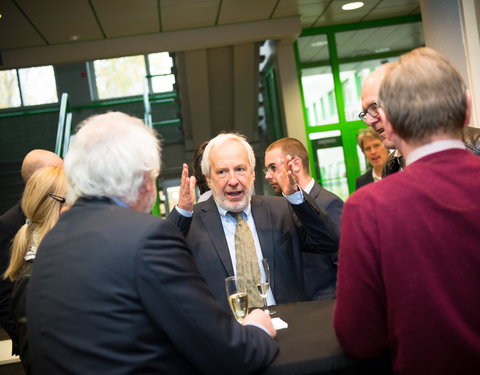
[{"x": 209, "y": 215}]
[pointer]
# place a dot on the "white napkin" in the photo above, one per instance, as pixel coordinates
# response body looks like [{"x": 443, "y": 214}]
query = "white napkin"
[{"x": 279, "y": 323}]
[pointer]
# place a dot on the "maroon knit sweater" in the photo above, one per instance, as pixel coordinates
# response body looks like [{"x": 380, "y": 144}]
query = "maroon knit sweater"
[{"x": 409, "y": 268}]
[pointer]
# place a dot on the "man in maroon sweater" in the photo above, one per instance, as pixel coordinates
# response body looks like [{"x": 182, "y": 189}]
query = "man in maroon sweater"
[{"x": 409, "y": 268}]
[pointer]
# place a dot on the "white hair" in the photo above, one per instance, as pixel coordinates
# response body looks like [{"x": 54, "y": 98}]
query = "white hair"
[
  {"x": 109, "y": 156},
  {"x": 219, "y": 140}
]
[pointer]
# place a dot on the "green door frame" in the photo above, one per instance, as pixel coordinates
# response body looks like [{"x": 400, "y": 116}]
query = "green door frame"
[{"x": 349, "y": 130}]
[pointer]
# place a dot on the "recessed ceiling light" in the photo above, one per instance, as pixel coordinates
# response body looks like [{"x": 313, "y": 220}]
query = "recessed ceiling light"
[
  {"x": 352, "y": 6},
  {"x": 73, "y": 38}
]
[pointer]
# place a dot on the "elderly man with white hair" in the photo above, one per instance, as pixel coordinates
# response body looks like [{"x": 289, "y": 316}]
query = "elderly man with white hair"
[{"x": 115, "y": 290}]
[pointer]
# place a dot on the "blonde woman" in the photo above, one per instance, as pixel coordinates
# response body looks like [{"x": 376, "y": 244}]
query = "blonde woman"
[{"x": 42, "y": 202}]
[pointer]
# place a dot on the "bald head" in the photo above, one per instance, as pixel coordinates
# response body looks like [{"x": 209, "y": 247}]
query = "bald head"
[
  {"x": 370, "y": 93},
  {"x": 37, "y": 159}
]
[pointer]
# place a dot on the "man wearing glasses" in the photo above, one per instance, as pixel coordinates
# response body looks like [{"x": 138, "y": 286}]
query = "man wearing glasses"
[
  {"x": 408, "y": 269},
  {"x": 370, "y": 116},
  {"x": 319, "y": 270}
]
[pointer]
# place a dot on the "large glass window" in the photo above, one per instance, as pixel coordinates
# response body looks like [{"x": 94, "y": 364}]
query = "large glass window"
[
  {"x": 9, "y": 89},
  {"x": 125, "y": 76},
  {"x": 319, "y": 96},
  {"x": 27, "y": 86},
  {"x": 352, "y": 76},
  {"x": 333, "y": 63},
  {"x": 160, "y": 65},
  {"x": 329, "y": 155}
]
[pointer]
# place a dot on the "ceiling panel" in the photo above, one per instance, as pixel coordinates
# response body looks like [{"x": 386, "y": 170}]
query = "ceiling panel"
[
  {"x": 334, "y": 14},
  {"x": 379, "y": 40},
  {"x": 59, "y": 20},
  {"x": 235, "y": 11},
  {"x": 15, "y": 30},
  {"x": 127, "y": 17},
  {"x": 188, "y": 14}
]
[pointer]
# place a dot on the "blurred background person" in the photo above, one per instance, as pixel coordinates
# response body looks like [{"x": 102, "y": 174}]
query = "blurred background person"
[
  {"x": 42, "y": 202},
  {"x": 319, "y": 270},
  {"x": 372, "y": 146},
  {"x": 10, "y": 222},
  {"x": 200, "y": 178}
]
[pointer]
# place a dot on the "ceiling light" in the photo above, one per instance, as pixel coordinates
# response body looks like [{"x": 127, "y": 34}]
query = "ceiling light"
[
  {"x": 320, "y": 43},
  {"x": 352, "y": 6},
  {"x": 73, "y": 38}
]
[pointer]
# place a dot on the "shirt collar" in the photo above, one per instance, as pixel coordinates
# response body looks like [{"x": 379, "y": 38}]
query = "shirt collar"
[
  {"x": 433, "y": 147},
  {"x": 309, "y": 186},
  {"x": 223, "y": 212},
  {"x": 375, "y": 176}
]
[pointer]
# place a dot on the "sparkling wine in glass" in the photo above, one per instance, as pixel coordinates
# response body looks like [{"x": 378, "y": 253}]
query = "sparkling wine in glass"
[
  {"x": 263, "y": 284},
  {"x": 237, "y": 296}
]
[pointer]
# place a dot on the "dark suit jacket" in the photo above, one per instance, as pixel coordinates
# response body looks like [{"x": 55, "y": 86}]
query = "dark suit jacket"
[
  {"x": 320, "y": 270},
  {"x": 364, "y": 179},
  {"x": 10, "y": 222},
  {"x": 282, "y": 239},
  {"x": 115, "y": 291}
]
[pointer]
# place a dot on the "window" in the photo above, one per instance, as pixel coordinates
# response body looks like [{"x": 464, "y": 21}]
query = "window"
[
  {"x": 126, "y": 76},
  {"x": 27, "y": 86}
]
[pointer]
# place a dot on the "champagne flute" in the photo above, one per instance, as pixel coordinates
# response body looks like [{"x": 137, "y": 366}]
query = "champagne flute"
[
  {"x": 263, "y": 284},
  {"x": 236, "y": 288}
]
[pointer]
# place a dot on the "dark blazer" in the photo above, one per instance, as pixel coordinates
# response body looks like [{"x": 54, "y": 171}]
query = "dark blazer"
[
  {"x": 320, "y": 270},
  {"x": 281, "y": 235},
  {"x": 10, "y": 222},
  {"x": 364, "y": 179},
  {"x": 115, "y": 291}
]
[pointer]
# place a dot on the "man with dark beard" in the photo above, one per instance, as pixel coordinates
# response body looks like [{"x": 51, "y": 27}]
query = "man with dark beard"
[{"x": 280, "y": 228}]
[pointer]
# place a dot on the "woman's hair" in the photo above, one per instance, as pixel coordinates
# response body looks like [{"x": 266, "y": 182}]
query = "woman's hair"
[{"x": 41, "y": 202}]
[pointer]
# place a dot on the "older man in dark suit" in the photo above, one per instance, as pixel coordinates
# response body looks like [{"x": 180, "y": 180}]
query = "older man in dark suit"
[
  {"x": 116, "y": 291},
  {"x": 281, "y": 229}
]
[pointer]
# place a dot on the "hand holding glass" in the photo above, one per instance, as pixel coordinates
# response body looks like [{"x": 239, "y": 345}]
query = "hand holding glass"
[{"x": 237, "y": 296}]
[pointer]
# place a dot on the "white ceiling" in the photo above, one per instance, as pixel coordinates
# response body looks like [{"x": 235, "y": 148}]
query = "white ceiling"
[{"x": 32, "y": 24}]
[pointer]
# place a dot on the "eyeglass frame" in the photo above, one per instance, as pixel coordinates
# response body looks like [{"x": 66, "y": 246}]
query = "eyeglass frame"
[
  {"x": 363, "y": 115},
  {"x": 272, "y": 169}
]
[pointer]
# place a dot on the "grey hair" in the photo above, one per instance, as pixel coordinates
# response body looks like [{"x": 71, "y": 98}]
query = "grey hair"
[
  {"x": 422, "y": 95},
  {"x": 109, "y": 156},
  {"x": 219, "y": 140}
]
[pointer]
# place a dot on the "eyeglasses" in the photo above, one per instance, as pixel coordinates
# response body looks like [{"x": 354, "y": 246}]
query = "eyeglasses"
[
  {"x": 272, "y": 168},
  {"x": 58, "y": 198},
  {"x": 372, "y": 110}
]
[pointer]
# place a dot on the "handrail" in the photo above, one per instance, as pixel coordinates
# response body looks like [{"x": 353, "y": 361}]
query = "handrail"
[{"x": 63, "y": 128}]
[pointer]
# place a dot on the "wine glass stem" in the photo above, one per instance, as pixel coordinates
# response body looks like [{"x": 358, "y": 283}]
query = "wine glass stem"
[{"x": 265, "y": 303}]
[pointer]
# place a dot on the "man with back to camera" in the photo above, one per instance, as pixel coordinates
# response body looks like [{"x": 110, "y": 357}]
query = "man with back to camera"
[
  {"x": 115, "y": 290},
  {"x": 319, "y": 270},
  {"x": 10, "y": 222},
  {"x": 278, "y": 235},
  {"x": 409, "y": 284}
]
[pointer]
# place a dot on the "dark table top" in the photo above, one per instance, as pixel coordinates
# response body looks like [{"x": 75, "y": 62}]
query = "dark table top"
[{"x": 309, "y": 344}]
